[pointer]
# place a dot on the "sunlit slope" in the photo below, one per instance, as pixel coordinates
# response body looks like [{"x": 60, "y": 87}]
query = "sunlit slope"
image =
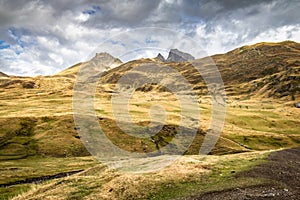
[{"x": 261, "y": 83}]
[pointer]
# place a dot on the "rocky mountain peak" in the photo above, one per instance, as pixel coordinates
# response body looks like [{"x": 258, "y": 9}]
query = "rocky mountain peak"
[
  {"x": 160, "y": 58},
  {"x": 178, "y": 56},
  {"x": 100, "y": 59},
  {"x": 105, "y": 59}
]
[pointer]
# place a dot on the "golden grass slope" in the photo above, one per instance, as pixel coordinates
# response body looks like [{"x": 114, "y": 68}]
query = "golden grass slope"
[
  {"x": 100, "y": 59},
  {"x": 253, "y": 122},
  {"x": 187, "y": 176},
  {"x": 38, "y": 136}
]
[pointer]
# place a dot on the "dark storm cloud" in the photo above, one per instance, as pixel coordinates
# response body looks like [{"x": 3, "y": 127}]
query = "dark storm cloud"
[
  {"x": 115, "y": 12},
  {"x": 216, "y": 9},
  {"x": 54, "y": 33},
  {"x": 255, "y": 14},
  {"x": 144, "y": 13}
]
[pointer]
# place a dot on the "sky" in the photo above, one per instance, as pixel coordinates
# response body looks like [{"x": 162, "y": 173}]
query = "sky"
[{"x": 40, "y": 37}]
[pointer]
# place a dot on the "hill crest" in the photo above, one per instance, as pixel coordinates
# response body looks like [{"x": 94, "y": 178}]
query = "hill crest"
[{"x": 103, "y": 59}]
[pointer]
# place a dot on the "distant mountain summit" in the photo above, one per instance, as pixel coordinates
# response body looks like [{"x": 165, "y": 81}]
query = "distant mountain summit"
[
  {"x": 178, "y": 56},
  {"x": 159, "y": 57},
  {"x": 100, "y": 59},
  {"x": 263, "y": 69},
  {"x": 105, "y": 59}
]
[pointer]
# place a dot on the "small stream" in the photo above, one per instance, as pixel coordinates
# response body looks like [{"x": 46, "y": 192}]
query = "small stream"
[{"x": 37, "y": 180}]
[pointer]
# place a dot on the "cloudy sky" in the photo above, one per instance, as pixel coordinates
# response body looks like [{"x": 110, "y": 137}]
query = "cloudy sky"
[{"x": 44, "y": 37}]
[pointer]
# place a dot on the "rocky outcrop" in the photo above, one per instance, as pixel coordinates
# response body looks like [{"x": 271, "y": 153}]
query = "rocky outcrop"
[
  {"x": 178, "y": 56},
  {"x": 159, "y": 57},
  {"x": 105, "y": 59}
]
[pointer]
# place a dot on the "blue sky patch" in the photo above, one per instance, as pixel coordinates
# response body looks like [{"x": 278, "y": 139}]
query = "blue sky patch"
[
  {"x": 117, "y": 42},
  {"x": 4, "y": 45},
  {"x": 92, "y": 11},
  {"x": 16, "y": 35},
  {"x": 151, "y": 41}
]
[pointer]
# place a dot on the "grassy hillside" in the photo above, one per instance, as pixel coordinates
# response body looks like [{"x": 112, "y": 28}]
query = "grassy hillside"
[
  {"x": 41, "y": 110},
  {"x": 263, "y": 70},
  {"x": 38, "y": 137}
]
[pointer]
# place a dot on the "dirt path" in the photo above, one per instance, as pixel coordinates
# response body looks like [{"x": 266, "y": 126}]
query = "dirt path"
[{"x": 282, "y": 168}]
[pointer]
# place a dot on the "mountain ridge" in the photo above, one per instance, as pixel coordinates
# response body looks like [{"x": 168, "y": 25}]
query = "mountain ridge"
[
  {"x": 3, "y": 74},
  {"x": 178, "y": 56},
  {"x": 269, "y": 69},
  {"x": 263, "y": 69},
  {"x": 102, "y": 59},
  {"x": 261, "y": 84},
  {"x": 160, "y": 57}
]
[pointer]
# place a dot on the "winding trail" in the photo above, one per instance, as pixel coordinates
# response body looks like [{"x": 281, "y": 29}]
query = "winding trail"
[{"x": 282, "y": 169}]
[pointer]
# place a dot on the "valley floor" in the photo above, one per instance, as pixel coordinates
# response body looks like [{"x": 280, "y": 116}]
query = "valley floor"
[
  {"x": 254, "y": 129},
  {"x": 250, "y": 175}
]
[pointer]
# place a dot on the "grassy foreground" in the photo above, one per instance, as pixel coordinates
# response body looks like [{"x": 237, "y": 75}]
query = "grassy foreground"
[{"x": 187, "y": 176}]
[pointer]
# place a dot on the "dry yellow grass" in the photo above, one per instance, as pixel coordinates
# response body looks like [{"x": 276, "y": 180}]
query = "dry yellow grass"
[
  {"x": 102, "y": 183},
  {"x": 262, "y": 84}
]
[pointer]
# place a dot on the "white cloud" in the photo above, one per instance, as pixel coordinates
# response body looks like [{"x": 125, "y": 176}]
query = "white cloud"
[
  {"x": 48, "y": 36},
  {"x": 48, "y": 43},
  {"x": 82, "y": 17},
  {"x": 279, "y": 34}
]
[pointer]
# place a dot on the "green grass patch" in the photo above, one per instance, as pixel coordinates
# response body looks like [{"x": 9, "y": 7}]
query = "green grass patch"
[
  {"x": 265, "y": 122},
  {"x": 32, "y": 167},
  {"x": 12, "y": 191},
  {"x": 262, "y": 142},
  {"x": 221, "y": 177},
  {"x": 83, "y": 188},
  {"x": 17, "y": 138}
]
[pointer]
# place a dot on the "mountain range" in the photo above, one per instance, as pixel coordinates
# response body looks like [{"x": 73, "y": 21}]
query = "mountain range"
[
  {"x": 261, "y": 71},
  {"x": 40, "y": 141}
]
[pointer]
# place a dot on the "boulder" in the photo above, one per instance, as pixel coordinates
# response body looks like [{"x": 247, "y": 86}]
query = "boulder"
[
  {"x": 297, "y": 105},
  {"x": 159, "y": 57}
]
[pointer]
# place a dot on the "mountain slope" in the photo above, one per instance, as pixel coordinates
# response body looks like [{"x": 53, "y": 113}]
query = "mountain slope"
[
  {"x": 159, "y": 57},
  {"x": 265, "y": 69},
  {"x": 37, "y": 126},
  {"x": 261, "y": 70},
  {"x": 178, "y": 56},
  {"x": 104, "y": 59},
  {"x": 3, "y": 75}
]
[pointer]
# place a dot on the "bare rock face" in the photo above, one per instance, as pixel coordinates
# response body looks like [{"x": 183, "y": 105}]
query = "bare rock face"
[
  {"x": 178, "y": 56},
  {"x": 99, "y": 62},
  {"x": 159, "y": 57},
  {"x": 105, "y": 59}
]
